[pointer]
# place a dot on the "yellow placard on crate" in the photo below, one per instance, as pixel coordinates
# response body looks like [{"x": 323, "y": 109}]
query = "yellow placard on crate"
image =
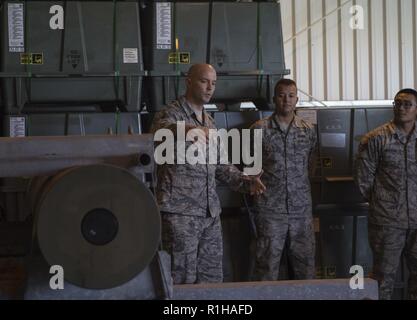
[
  {"x": 25, "y": 58},
  {"x": 327, "y": 163},
  {"x": 173, "y": 57},
  {"x": 31, "y": 58},
  {"x": 37, "y": 58},
  {"x": 330, "y": 272},
  {"x": 179, "y": 58},
  {"x": 185, "y": 57}
]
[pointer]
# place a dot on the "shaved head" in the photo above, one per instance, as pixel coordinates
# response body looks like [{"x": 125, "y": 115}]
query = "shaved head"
[
  {"x": 196, "y": 69},
  {"x": 201, "y": 83}
]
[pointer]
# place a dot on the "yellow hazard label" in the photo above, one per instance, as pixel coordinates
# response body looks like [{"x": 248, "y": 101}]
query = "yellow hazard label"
[
  {"x": 330, "y": 272},
  {"x": 327, "y": 163},
  {"x": 179, "y": 58},
  {"x": 25, "y": 58},
  {"x": 31, "y": 58},
  {"x": 37, "y": 58},
  {"x": 172, "y": 58},
  {"x": 185, "y": 57}
]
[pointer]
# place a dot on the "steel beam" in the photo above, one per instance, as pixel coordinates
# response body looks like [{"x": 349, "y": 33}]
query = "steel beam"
[
  {"x": 34, "y": 156},
  {"x": 328, "y": 289}
]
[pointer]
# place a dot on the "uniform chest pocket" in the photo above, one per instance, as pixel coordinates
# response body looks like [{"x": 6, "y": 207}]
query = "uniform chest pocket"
[
  {"x": 415, "y": 152},
  {"x": 393, "y": 158},
  {"x": 301, "y": 147},
  {"x": 388, "y": 196},
  {"x": 272, "y": 147},
  {"x": 412, "y": 168}
]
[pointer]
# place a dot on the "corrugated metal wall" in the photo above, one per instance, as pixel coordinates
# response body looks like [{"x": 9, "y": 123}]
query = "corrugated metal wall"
[{"x": 332, "y": 61}]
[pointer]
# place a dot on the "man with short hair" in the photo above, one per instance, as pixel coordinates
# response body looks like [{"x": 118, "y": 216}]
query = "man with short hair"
[
  {"x": 186, "y": 193},
  {"x": 284, "y": 212},
  {"x": 386, "y": 173}
]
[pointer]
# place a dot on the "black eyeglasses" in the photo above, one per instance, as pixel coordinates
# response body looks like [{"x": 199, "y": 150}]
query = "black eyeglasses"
[{"x": 405, "y": 104}]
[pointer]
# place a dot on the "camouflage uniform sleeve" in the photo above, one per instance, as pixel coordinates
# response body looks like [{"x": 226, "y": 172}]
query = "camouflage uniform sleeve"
[
  {"x": 314, "y": 153},
  {"x": 366, "y": 165},
  {"x": 233, "y": 177},
  {"x": 164, "y": 119},
  {"x": 258, "y": 125}
]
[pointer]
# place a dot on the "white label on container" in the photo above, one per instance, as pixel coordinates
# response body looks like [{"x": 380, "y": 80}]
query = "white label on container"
[
  {"x": 130, "y": 55},
  {"x": 17, "y": 127},
  {"x": 308, "y": 115},
  {"x": 333, "y": 140},
  {"x": 16, "y": 27},
  {"x": 163, "y": 25}
]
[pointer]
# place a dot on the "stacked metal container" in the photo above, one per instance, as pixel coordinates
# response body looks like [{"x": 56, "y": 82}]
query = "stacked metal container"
[
  {"x": 67, "y": 68},
  {"x": 243, "y": 41},
  {"x": 73, "y": 58},
  {"x": 340, "y": 211}
]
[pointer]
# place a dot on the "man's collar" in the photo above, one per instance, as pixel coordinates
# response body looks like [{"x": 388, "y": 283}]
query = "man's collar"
[
  {"x": 185, "y": 105},
  {"x": 295, "y": 122},
  {"x": 400, "y": 134},
  {"x": 190, "y": 111}
]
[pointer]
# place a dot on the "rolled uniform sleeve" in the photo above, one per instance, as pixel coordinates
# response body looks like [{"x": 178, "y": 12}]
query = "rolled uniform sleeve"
[
  {"x": 165, "y": 119},
  {"x": 233, "y": 177},
  {"x": 366, "y": 165}
]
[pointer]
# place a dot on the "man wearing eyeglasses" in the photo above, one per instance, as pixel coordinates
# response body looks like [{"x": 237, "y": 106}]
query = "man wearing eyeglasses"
[{"x": 386, "y": 173}]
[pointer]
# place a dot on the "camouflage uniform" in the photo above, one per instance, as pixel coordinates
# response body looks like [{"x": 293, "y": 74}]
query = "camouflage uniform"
[
  {"x": 386, "y": 173},
  {"x": 190, "y": 207},
  {"x": 196, "y": 247},
  {"x": 284, "y": 211}
]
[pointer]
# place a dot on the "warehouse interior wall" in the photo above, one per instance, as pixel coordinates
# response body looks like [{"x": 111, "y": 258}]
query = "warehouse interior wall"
[{"x": 350, "y": 50}]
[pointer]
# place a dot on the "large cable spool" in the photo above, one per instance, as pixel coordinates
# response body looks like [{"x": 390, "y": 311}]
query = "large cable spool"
[{"x": 99, "y": 222}]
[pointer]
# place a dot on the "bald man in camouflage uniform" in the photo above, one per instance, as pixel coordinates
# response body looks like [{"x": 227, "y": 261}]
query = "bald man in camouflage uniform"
[
  {"x": 186, "y": 193},
  {"x": 284, "y": 211},
  {"x": 386, "y": 173}
]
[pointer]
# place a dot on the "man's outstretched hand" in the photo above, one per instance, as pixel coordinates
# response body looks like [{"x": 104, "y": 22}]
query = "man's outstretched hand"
[{"x": 256, "y": 186}]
